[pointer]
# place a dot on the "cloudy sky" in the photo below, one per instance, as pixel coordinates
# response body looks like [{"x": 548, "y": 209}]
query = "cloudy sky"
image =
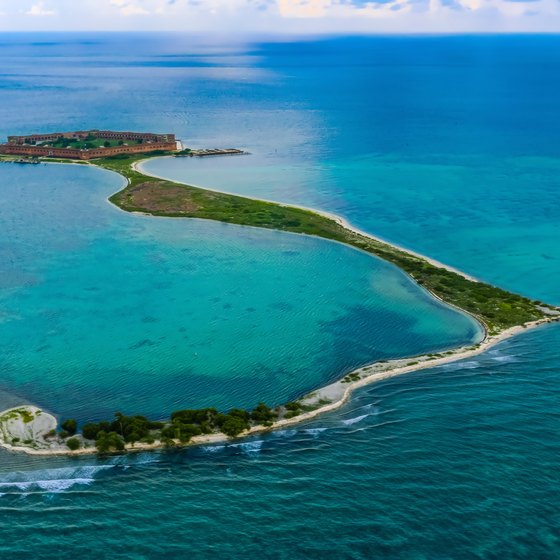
[{"x": 284, "y": 16}]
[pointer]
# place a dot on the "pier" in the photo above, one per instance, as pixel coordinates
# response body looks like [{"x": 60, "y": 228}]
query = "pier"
[{"x": 217, "y": 152}]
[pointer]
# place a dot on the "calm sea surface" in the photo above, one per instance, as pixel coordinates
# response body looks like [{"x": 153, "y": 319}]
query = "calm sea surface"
[{"x": 448, "y": 146}]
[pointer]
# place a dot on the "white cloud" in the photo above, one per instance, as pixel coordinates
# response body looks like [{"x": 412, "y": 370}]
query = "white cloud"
[
  {"x": 127, "y": 8},
  {"x": 284, "y": 16},
  {"x": 303, "y": 8},
  {"x": 133, "y": 10},
  {"x": 39, "y": 9}
]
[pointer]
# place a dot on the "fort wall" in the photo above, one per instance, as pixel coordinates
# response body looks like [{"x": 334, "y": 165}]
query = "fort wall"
[
  {"x": 71, "y": 153},
  {"x": 83, "y": 135}
]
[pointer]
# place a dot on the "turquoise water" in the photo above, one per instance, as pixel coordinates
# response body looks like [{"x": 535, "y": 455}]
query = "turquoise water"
[
  {"x": 504, "y": 207},
  {"x": 105, "y": 311},
  {"x": 456, "y": 462},
  {"x": 446, "y": 145}
]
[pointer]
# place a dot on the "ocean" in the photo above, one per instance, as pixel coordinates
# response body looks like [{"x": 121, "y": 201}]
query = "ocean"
[{"x": 445, "y": 145}]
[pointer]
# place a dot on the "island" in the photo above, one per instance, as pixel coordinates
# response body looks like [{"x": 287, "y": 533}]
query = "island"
[{"x": 501, "y": 313}]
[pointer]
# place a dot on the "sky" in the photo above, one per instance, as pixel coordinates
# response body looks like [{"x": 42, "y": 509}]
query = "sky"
[{"x": 282, "y": 16}]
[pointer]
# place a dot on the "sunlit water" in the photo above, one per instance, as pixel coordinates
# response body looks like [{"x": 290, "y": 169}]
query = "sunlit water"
[{"x": 448, "y": 146}]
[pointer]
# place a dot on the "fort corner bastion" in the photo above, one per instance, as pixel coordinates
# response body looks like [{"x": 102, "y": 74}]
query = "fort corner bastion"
[{"x": 87, "y": 144}]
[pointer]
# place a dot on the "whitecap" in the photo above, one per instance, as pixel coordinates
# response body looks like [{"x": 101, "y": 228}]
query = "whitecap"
[
  {"x": 51, "y": 485},
  {"x": 461, "y": 365},
  {"x": 314, "y": 431},
  {"x": 249, "y": 447},
  {"x": 351, "y": 421},
  {"x": 285, "y": 433},
  {"x": 213, "y": 448},
  {"x": 504, "y": 359},
  {"x": 51, "y": 480}
]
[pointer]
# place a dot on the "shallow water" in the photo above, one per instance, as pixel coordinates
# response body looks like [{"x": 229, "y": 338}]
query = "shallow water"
[
  {"x": 446, "y": 145},
  {"x": 103, "y": 310}
]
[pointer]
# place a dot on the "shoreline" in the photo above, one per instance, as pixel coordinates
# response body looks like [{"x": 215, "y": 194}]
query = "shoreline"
[
  {"x": 339, "y": 391},
  {"x": 137, "y": 166},
  {"x": 334, "y": 395}
]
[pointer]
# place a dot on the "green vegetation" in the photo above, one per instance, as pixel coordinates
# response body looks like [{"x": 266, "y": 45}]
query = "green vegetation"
[
  {"x": 498, "y": 309},
  {"x": 261, "y": 414},
  {"x": 129, "y": 428},
  {"x": 88, "y": 143},
  {"x": 73, "y": 444},
  {"x": 293, "y": 408},
  {"x": 182, "y": 426},
  {"x": 107, "y": 442},
  {"x": 25, "y": 415},
  {"x": 69, "y": 426}
]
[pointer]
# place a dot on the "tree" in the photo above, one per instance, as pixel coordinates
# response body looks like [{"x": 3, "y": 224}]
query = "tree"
[
  {"x": 239, "y": 413},
  {"x": 194, "y": 416},
  {"x": 131, "y": 428},
  {"x": 73, "y": 444},
  {"x": 234, "y": 425},
  {"x": 70, "y": 425},
  {"x": 107, "y": 144},
  {"x": 294, "y": 405},
  {"x": 262, "y": 414},
  {"x": 90, "y": 430},
  {"x": 109, "y": 442}
]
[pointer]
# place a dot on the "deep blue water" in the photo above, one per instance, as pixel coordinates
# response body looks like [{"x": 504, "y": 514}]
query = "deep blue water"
[{"x": 446, "y": 145}]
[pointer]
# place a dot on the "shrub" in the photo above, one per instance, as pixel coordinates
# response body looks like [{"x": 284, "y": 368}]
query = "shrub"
[
  {"x": 90, "y": 430},
  {"x": 109, "y": 442},
  {"x": 194, "y": 416},
  {"x": 262, "y": 414},
  {"x": 132, "y": 428},
  {"x": 239, "y": 413},
  {"x": 73, "y": 444},
  {"x": 234, "y": 425},
  {"x": 292, "y": 406},
  {"x": 70, "y": 425}
]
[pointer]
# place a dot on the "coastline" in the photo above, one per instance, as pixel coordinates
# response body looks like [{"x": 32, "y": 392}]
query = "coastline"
[
  {"x": 137, "y": 166},
  {"x": 336, "y": 394}
]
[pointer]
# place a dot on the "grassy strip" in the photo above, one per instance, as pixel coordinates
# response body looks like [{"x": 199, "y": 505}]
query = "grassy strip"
[{"x": 498, "y": 309}]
